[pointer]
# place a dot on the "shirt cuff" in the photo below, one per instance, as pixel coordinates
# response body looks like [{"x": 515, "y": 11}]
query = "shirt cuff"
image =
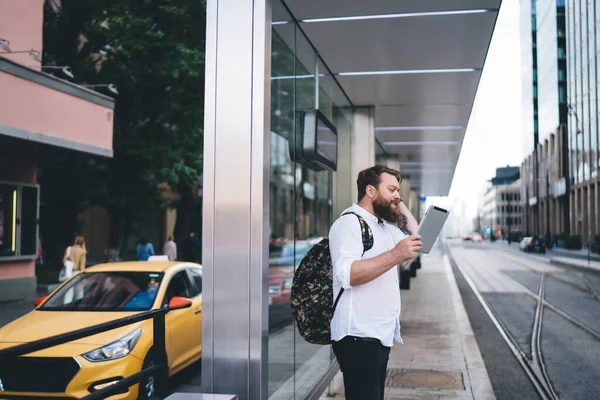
[{"x": 342, "y": 273}]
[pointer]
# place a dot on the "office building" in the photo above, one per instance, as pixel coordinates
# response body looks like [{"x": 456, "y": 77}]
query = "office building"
[{"x": 545, "y": 169}]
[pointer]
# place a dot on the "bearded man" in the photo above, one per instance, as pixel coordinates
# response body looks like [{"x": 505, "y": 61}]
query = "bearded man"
[{"x": 366, "y": 320}]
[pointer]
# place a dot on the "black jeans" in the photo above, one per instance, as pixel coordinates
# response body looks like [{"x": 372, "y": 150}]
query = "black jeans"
[{"x": 363, "y": 362}]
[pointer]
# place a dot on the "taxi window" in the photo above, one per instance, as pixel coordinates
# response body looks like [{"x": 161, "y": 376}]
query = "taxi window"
[
  {"x": 179, "y": 286},
  {"x": 106, "y": 291},
  {"x": 196, "y": 274}
]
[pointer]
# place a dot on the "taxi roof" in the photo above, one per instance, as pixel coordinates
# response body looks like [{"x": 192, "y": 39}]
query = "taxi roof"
[{"x": 140, "y": 266}]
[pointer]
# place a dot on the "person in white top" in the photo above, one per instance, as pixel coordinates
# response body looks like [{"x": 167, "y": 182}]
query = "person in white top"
[
  {"x": 170, "y": 248},
  {"x": 367, "y": 317}
]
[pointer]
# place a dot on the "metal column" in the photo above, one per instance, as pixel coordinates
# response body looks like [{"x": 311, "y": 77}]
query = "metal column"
[{"x": 236, "y": 198}]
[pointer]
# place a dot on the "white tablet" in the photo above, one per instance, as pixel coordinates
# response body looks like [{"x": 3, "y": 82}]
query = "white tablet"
[{"x": 430, "y": 227}]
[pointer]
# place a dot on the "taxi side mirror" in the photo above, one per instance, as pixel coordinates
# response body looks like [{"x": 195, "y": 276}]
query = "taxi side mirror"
[
  {"x": 178, "y": 303},
  {"x": 39, "y": 300}
]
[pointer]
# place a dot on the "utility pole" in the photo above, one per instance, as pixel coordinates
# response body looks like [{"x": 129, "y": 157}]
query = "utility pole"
[{"x": 548, "y": 234}]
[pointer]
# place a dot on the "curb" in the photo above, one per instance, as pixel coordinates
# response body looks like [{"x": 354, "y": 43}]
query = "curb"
[
  {"x": 481, "y": 386},
  {"x": 576, "y": 264}
]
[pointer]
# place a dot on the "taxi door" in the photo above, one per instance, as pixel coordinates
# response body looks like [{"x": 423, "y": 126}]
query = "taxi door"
[
  {"x": 183, "y": 327},
  {"x": 196, "y": 275}
]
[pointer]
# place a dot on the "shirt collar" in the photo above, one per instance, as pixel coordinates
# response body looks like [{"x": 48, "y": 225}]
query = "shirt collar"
[{"x": 364, "y": 213}]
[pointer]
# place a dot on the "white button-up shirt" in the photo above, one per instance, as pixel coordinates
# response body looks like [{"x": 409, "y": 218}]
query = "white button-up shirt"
[{"x": 372, "y": 309}]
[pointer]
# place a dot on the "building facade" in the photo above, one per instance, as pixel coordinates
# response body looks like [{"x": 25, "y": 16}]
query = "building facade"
[
  {"x": 545, "y": 169},
  {"x": 40, "y": 116},
  {"x": 502, "y": 210},
  {"x": 582, "y": 30}
]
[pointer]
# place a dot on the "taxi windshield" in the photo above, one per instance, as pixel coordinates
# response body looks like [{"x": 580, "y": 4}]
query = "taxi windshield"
[{"x": 106, "y": 291}]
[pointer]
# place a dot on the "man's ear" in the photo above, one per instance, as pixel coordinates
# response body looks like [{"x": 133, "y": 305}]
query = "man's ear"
[{"x": 371, "y": 191}]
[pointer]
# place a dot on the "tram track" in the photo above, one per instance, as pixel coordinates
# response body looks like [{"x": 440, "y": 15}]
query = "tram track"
[{"x": 533, "y": 364}]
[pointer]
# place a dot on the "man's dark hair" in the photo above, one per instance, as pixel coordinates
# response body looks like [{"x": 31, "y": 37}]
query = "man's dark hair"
[{"x": 372, "y": 176}]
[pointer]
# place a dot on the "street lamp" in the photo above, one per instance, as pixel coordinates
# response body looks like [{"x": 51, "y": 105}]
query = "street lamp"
[
  {"x": 64, "y": 69},
  {"x": 109, "y": 86},
  {"x": 5, "y": 44},
  {"x": 34, "y": 54}
]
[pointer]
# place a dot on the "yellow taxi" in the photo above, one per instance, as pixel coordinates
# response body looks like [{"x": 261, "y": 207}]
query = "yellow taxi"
[{"x": 100, "y": 294}]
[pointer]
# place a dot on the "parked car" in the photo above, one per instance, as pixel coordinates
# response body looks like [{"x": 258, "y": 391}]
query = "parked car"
[
  {"x": 533, "y": 244},
  {"x": 524, "y": 243},
  {"x": 477, "y": 238},
  {"x": 101, "y": 294}
]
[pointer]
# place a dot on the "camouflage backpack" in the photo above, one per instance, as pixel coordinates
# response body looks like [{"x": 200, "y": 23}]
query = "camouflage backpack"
[{"x": 312, "y": 289}]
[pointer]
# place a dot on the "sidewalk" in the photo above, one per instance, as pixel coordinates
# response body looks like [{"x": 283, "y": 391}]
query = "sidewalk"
[
  {"x": 576, "y": 263},
  {"x": 440, "y": 358},
  {"x": 580, "y": 254}
]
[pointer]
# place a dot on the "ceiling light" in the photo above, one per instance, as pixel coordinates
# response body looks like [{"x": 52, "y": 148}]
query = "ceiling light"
[
  {"x": 404, "y": 15},
  {"x": 420, "y": 128},
  {"x": 420, "y": 163},
  {"x": 424, "y": 171},
  {"x": 279, "y": 78},
  {"x": 409, "y": 72},
  {"x": 443, "y": 143}
]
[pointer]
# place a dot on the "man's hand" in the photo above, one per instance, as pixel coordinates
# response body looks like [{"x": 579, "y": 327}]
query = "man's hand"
[
  {"x": 363, "y": 271},
  {"x": 407, "y": 248}
]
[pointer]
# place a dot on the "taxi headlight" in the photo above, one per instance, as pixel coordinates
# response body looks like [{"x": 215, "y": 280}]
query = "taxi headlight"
[{"x": 115, "y": 350}]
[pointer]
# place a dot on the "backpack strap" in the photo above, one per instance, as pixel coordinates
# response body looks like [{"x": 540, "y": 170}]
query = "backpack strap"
[
  {"x": 367, "y": 235},
  {"x": 367, "y": 240}
]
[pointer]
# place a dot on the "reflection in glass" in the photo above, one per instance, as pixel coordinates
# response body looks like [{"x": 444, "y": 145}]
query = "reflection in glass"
[
  {"x": 282, "y": 187},
  {"x": 300, "y": 200}
]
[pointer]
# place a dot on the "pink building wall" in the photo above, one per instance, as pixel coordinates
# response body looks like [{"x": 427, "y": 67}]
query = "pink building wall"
[
  {"x": 21, "y": 23},
  {"x": 36, "y": 108},
  {"x": 17, "y": 269},
  {"x": 40, "y": 109}
]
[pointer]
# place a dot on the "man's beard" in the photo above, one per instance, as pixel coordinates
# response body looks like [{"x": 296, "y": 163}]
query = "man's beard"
[{"x": 384, "y": 209}]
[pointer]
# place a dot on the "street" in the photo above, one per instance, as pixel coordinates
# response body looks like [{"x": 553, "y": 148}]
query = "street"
[
  {"x": 531, "y": 348},
  {"x": 537, "y": 325}
]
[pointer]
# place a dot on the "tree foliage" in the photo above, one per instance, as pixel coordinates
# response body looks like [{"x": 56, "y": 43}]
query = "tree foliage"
[{"x": 153, "y": 52}]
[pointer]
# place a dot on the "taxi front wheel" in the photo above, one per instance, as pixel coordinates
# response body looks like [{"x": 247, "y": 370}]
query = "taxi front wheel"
[{"x": 152, "y": 387}]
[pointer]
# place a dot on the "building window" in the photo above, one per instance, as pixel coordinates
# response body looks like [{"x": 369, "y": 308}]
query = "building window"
[{"x": 19, "y": 204}]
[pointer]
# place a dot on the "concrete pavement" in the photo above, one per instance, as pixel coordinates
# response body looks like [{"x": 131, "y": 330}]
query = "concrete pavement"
[
  {"x": 583, "y": 265},
  {"x": 440, "y": 358}
]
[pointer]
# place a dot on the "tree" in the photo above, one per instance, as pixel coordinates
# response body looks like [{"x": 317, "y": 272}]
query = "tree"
[{"x": 153, "y": 52}]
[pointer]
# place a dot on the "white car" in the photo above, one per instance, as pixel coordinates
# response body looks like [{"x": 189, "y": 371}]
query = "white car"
[{"x": 524, "y": 243}]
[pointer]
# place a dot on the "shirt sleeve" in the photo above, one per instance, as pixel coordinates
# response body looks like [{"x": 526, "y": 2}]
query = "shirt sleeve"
[{"x": 345, "y": 245}]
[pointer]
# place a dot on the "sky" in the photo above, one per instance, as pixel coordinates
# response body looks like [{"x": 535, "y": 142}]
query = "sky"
[{"x": 493, "y": 136}]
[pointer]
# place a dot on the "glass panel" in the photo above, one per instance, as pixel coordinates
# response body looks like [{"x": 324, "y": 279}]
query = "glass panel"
[
  {"x": 313, "y": 214},
  {"x": 196, "y": 274},
  {"x": 301, "y": 200},
  {"x": 281, "y": 244},
  {"x": 8, "y": 220},
  {"x": 326, "y": 84},
  {"x": 29, "y": 211}
]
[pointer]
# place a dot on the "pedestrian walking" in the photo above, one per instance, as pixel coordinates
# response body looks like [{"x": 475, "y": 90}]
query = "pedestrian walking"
[{"x": 170, "y": 248}]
